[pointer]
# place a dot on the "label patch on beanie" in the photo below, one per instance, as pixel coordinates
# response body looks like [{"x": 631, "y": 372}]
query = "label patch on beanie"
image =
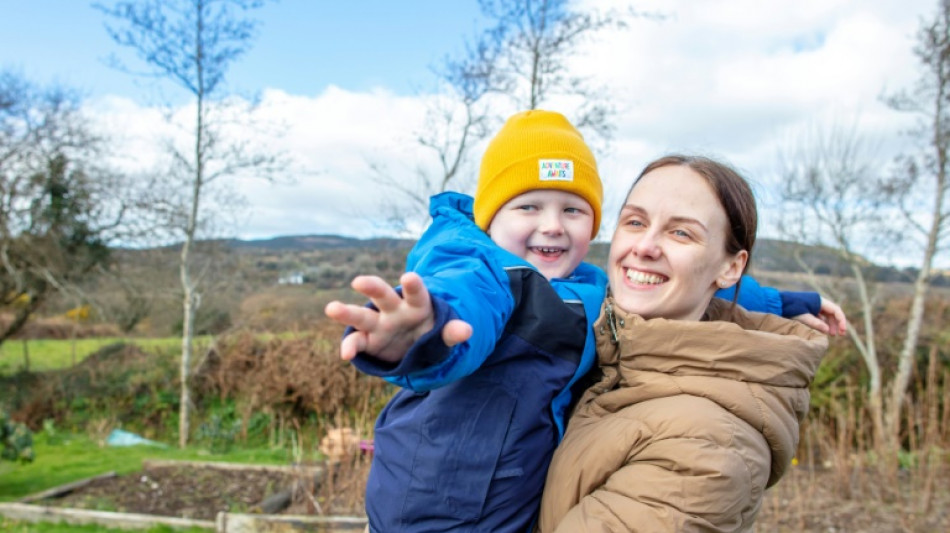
[{"x": 556, "y": 170}]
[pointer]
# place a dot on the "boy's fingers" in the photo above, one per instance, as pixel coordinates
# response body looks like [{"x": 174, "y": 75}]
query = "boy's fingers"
[
  {"x": 455, "y": 332},
  {"x": 834, "y": 316},
  {"x": 383, "y": 296},
  {"x": 841, "y": 323},
  {"x": 414, "y": 291},
  {"x": 838, "y": 327},
  {"x": 834, "y": 325},
  {"x": 358, "y": 317},
  {"x": 352, "y": 344},
  {"x": 813, "y": 322},
  {"x": 335, "y": 311}
]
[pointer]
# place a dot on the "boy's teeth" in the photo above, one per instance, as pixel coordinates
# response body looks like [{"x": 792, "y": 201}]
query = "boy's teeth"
[{"x": 643, "y": 277}]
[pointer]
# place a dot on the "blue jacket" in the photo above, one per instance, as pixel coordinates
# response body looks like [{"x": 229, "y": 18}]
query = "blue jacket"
[{"x": 465, "y": 444}]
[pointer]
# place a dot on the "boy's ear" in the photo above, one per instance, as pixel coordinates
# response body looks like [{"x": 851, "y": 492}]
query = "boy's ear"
[{"x": 733, "y": 269}]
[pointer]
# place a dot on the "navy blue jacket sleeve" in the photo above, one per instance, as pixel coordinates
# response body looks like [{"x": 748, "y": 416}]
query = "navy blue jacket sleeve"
[
  {"x": 800, "y": 303},
  {"x": 754, "y": 297},
  {"x": 787, "y": 304}
]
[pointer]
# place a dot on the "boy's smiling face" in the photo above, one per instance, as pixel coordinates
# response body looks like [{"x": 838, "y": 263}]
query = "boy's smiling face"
[{"x": 550, "y": 229}]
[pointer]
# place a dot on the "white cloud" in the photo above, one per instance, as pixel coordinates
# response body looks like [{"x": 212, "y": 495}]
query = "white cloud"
[
  {"x": 331, "y": 139},
  {"x": 734, "y": 79},
  {"x": 730, "y": 78}
]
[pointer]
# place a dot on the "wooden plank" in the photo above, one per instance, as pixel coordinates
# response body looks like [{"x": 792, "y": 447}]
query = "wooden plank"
[
  {"x": 65, "y": 488},
  {"x": 284, "y": 469},
  {"x": 250, "y": 523},
  {"x": 39, "y": 513}
]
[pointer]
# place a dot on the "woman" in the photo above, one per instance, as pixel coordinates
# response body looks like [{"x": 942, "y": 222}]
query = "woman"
[{"x": 698, "y": 406}]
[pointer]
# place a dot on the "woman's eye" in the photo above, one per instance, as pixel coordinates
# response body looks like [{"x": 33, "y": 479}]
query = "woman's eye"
[{"x": 681, "y": 233}]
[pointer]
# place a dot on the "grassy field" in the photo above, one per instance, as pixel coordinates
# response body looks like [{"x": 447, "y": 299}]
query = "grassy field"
[{"x": 53, "y": 354}]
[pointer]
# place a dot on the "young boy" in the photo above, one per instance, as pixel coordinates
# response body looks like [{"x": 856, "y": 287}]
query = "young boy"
[
  {"x": 466, "y": 443},
  {"x": 491, "y": 329}
]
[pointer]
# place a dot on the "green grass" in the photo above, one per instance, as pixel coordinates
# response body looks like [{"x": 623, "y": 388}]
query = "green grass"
[
  {"x": 14, "y": 526},
  {"x": 68, "y": 458},
  {"x": 51, "y": 354}
]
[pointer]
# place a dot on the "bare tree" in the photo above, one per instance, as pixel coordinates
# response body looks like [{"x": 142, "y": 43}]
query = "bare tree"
[
  {"x": 521, "y": 61},
  {"x": 531, "y": 46},
  {"x": 58, "y": 208},
  {"x": 835, "y": 194},
  {"x": 833, "y": 197},
  {"x": 922, "y": 188},
  {"x": 454, "y": 123},
  {"x": 192, "y": 43}
]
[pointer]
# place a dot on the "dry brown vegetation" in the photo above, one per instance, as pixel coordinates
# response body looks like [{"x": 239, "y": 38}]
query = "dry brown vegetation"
[
  {"x": 293, "y": 376},
  {"x": 842, "y": 482},
  {"x": 61, "y": 328}
]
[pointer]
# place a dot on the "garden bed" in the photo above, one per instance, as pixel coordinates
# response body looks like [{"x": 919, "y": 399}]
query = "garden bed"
[{"x": 200, "y": 492}]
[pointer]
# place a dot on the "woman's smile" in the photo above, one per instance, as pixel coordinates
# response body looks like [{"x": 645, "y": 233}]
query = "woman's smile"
[{"x": 640, "y": 277}]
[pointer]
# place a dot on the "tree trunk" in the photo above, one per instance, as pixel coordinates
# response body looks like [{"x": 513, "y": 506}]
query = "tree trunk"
[
  {"x": 916, "y": 315},
  {"x": 867, "y": 347},
  {"x": 188, "y": 285},
  {"x": 187, "y": 334},
  {"x": 26, "y": 356},
  {"x": 72, "y": 341}
]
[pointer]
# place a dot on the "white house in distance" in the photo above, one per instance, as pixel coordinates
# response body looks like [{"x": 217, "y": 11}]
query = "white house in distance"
[{"x": 293, "y": 278}]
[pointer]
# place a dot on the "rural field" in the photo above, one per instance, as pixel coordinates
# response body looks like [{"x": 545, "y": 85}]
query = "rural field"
[{"x": 269, "y": 390}]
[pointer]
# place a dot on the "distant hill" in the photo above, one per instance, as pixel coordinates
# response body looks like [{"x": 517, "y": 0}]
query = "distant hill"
[
  {"x": 290, "y": 243},
  {"x": 770, "y": 255}
]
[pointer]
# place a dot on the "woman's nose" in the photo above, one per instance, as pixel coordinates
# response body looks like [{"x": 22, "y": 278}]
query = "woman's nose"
[{"x": 647, "y": 246}]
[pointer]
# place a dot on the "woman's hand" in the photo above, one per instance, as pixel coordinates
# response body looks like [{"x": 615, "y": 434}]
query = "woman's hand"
[{"x": 830, "y": 319}]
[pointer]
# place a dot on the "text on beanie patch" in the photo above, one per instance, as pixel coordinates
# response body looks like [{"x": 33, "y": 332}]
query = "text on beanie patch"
[{"x": 556, "y": 170}]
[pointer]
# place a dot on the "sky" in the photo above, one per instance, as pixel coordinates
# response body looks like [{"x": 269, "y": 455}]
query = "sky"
[{"x": 733, "y": 79}]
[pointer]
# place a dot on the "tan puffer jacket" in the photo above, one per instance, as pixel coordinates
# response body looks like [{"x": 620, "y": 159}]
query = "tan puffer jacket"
[{"x": 689, "y": 425}]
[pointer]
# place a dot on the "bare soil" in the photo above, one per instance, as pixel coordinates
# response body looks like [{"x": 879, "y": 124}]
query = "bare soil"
[{"x": 196, "y": 492}]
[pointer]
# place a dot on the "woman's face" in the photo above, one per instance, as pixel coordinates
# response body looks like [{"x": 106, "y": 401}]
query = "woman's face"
[{"x": 668, "y": 254}]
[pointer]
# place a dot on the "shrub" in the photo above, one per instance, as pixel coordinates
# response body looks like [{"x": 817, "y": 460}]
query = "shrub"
[
  {"x": 298, "y": 378},
  {"x": 17, "y": 440},
  {"x": 120, "y": 382}
]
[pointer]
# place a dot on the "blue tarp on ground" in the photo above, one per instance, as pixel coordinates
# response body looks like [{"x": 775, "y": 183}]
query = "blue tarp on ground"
[{"x": 120, "y": 437}]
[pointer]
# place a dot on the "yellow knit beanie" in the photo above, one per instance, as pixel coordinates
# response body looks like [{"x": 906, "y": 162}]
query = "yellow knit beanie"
[{"x": 536, "y": 150}]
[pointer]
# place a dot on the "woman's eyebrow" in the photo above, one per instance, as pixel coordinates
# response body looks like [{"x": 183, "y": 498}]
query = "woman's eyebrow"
[
  {"x": 689, "y": 220},
  {"x": 633, "y": 208},
  {"x": 637, "y": 210}
]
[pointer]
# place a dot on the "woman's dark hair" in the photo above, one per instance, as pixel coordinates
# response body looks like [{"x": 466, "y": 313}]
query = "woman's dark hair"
[{"x": 734, "y": 193}]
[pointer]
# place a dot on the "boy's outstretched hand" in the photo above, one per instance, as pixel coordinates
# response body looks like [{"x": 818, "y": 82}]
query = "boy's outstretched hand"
[
  {"x": 830, "y": 319},
  {"x": 388, "y": 331}
]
